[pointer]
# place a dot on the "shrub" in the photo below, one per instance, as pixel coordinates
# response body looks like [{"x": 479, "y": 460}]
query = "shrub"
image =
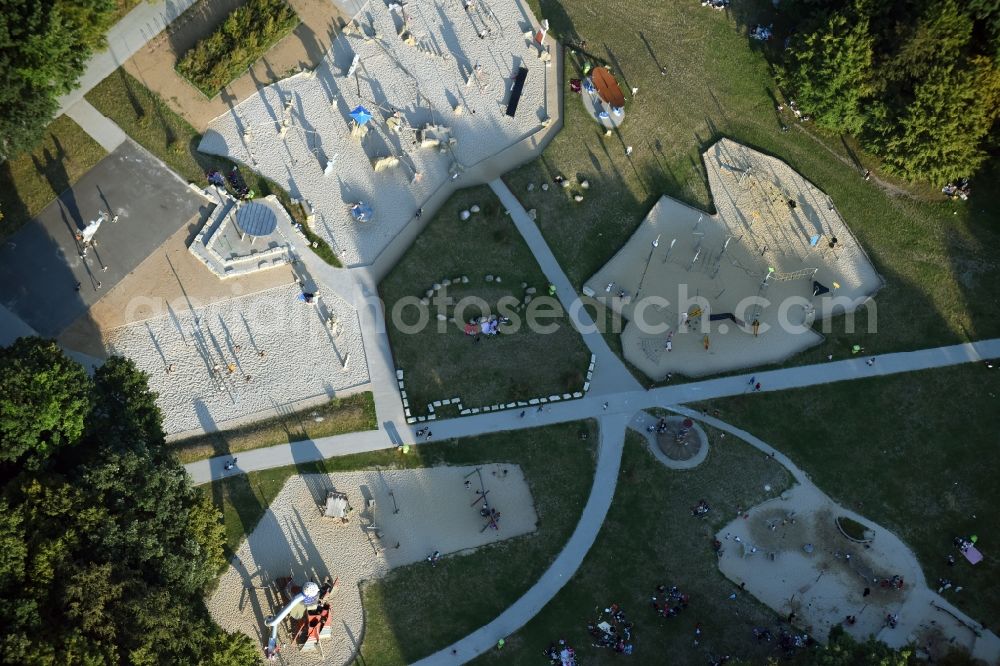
[{"x": 244, "y": 36}]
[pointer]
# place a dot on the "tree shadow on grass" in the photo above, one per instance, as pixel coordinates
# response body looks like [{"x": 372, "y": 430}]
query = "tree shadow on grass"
[{"x": 52, "y": 167}]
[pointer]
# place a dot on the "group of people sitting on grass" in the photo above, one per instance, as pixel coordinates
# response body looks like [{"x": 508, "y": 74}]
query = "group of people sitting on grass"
[
  {"x": 485, "y": 325},
  {"x": 613, "y": 631},
  {"x": 560, "y": 654},
  {"x": 668, "y": 602},
  {"x": 701, "y": 509},
  {"x": 959, "y": 190}
]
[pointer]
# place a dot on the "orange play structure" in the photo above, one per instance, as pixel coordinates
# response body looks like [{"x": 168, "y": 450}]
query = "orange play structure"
[{"x": 607, "y": 87}]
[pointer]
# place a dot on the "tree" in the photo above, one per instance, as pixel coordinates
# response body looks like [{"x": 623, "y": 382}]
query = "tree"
[
  {"x": 44, "y": 398},
  {"x": 830, "y": 71},
  {"x": 107, "y": 549},
  {"x": 44, "y": 47},
  {"x": 915, "y": 80}
]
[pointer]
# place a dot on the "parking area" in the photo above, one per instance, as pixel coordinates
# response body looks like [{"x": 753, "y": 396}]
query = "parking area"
[{"x": 45, "y": 279}]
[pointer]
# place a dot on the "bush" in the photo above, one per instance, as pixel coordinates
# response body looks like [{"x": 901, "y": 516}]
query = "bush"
[{"x": 242, "y": 38}]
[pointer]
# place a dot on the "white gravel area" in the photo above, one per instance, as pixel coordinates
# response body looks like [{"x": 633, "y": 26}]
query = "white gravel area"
[
  {"x": 293, "y": 130},
  {"x": 303, "y": 358},
  {"x": 756, "y": 258},
  {"x": 293, "y": 538}
]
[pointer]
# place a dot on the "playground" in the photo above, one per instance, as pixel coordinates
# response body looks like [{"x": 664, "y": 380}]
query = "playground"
[
  {"x": 227, "y": 362},
  {"x": 790, "y": 554},
  {"x": 707, "y": 293},
  {"x": 408, "y": 98},
  {"x": 378, "y": 520}
]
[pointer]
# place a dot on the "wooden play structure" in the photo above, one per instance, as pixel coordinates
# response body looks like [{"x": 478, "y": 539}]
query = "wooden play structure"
[{"x": 309, "y": 613}]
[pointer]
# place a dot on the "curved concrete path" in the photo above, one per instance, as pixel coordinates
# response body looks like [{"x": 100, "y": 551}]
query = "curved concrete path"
[{"x": 609, "y": 458}]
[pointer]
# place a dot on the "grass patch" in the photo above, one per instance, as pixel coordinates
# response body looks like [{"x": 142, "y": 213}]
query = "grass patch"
[
  {"x": 340, "y": 415},
  {"x": 246, "y": 34},
  {"x": 908, "y": 451},
  {"x": 30, "y": 182},
  {"x": 852, "y": 528},
  {"x": 439, "y": 360},
  {"x": 937, "y": 257},
  {"x": 151, "y": 123},
  {"x": 649, "y": 538},
  {"x": 416, "y": 609}
]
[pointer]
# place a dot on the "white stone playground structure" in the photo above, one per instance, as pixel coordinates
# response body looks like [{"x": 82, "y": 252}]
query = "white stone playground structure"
[
  {"x": 707, "y": 293},
  {"x": 409, "y": 97}
]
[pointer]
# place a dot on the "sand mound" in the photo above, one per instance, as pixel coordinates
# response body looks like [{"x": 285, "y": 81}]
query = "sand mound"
[{"x": 293, "y": 539}]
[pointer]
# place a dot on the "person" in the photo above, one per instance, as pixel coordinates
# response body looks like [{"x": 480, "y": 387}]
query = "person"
[
  {"x": 753, "y": 380},
  {"x": 756, "y": 387},
  {"x": 756, "y": 327},
  {"x": 870, "y": 362},
  {"x": 851, "y": 619},
  {"x": 868, "y": 174},
  {"x": 857, "y": 349},
  {"x": 500, "y": 644},
  {"x": 628, "y": 150},
  {"x": 429, "y": 433}
]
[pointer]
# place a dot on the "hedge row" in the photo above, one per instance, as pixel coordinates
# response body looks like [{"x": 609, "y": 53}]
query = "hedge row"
[{"x": 245, "y": 35}]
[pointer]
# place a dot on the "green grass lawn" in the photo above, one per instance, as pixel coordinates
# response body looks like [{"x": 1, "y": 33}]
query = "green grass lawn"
[
  {"x": 649, "y": 538},
  {"x": 338, "y": 416},
  {"x": 152, "y": 124},
  {"x": 913, "y": 452},
  {"x": 439, "y": 365},
  {"x": 30, "y": 182},
  {"x": 416, "y": 609},
  {"x": 938, "y": 257}
]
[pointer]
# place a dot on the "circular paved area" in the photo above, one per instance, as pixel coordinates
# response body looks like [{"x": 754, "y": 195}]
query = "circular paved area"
[{"x": 256, "y": 219}]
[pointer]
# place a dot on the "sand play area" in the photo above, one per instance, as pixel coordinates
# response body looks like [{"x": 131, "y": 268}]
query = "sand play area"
[
  {"x": 791, "y": 555},
  {"x": 436, "y": 513},
  {"x": 408, "y": 97},
  {"x": 692, "y": 285},
  {"x": 237, "y": 358}
]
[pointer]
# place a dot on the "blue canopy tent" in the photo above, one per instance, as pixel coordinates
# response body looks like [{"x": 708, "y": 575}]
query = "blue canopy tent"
[
  {"x": 362, "y": 212},
  {"x": 361, "y": 115}
]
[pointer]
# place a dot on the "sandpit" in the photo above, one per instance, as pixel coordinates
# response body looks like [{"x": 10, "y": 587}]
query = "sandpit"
[
  {"x": 436, "y": 80},
  {"x": 292, "y": 538},
  {"x": 303, "y": 360},
  {"x": 790, "y": 555},
  {"x": 692, "y": 284}
]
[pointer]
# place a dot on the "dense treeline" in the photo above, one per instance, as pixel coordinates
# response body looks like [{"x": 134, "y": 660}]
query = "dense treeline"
[
  {"x": 105, "y": 547},
  {"x": 44, "y": 46},
  {"x": 917, "y": 81}
]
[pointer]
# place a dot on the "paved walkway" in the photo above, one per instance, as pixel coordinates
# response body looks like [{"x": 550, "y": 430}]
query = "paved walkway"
[
  {"x": 130, "y": 34},
  {"x": 101, "y": 128},
  {"x": 626, "y": 402},
  {"x": 610, "y": 373},
  {"x": 566, "y": 563}
]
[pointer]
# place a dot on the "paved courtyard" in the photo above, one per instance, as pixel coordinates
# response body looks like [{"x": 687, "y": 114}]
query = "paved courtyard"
[{"x": 41, "y": 264}]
